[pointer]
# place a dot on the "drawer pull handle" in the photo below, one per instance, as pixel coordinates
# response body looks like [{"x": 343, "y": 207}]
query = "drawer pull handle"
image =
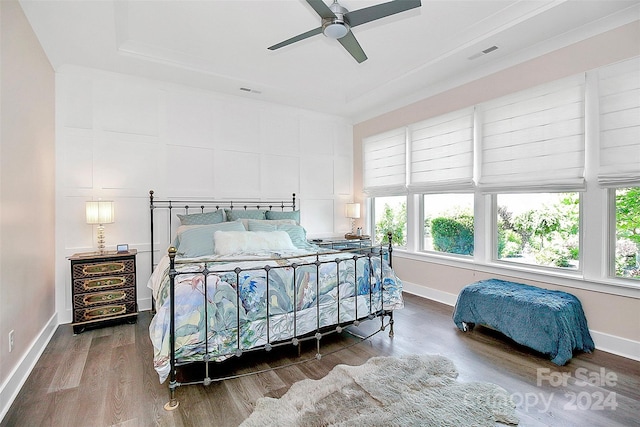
[
  {"x": 104, "y": 297},
  {"x": 102, "y": 268},
  {"x": 104, "y": 282},
  {"x": 110, "y": 310}
]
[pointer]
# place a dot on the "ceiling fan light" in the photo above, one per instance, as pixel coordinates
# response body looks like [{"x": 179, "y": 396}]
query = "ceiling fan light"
[{"x": 335, "y": 30}]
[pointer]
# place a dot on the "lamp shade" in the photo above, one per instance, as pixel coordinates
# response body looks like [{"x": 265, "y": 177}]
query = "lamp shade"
[
  {"x": 100, "y": 212},
  {"x": 353, "y": 210}
]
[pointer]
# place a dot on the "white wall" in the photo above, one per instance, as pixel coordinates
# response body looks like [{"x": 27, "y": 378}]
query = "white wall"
[
  {"x": 117, "y": 137},
  {"x": 26, "y": 199}
]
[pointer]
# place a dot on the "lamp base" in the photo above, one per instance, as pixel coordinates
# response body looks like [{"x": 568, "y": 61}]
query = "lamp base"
[{"x": 101, "y": 239}]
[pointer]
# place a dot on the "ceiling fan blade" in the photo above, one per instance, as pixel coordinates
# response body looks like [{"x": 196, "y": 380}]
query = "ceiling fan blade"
[
  {"x": 297, "y": 38},
  {"x": 321, "y": 9},
  {"x": 368, "y": 14},
  {"x": 353, "y": 47}
]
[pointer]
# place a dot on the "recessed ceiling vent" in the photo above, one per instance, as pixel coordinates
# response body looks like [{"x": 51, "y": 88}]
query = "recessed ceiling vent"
[
  {"x": 248, "y": 89},
  {"x": 484, "y": 52}
]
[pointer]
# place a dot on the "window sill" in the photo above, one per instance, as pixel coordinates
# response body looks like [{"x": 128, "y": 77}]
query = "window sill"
[{"x": 571, "y": 279}]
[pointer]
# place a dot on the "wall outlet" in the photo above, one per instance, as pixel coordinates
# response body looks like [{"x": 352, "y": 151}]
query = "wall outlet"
[{"x": 11, "y": 342}]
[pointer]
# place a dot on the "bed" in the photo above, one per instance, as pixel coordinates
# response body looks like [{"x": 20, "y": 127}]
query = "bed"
[{"x": 241, "y": 277}]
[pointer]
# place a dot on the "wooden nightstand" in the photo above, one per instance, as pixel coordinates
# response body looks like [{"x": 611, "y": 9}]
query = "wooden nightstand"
[{"x": 103, "y": 288}]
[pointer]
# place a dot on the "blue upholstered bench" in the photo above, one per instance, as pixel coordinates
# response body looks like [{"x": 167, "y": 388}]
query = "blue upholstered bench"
[{"x": 550, "y": 322}]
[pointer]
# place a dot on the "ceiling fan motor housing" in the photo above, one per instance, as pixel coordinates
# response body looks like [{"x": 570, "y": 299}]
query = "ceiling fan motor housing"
[{"x": 335, "y": 27}]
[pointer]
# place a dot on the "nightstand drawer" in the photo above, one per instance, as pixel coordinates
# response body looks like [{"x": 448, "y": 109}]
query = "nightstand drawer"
[
  {"x": 119, "y": 296},
  {"x": 104, "y": 283},
  {"x": 103, "y": 312},
  {"x": 111, "y": 268}
]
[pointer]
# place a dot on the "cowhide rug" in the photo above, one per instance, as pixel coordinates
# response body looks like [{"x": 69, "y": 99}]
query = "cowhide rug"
[{"x": 417, "y": 390}]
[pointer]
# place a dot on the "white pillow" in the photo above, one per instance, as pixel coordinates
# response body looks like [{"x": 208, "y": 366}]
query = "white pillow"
[{"x": 233, "y": 242}]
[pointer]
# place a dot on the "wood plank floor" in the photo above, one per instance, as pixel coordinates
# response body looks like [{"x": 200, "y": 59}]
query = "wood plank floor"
[{"x": 105, "y": 377}]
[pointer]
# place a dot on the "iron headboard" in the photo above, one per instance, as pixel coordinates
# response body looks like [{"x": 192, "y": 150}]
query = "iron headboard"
[{"x": 202, "y": 205}]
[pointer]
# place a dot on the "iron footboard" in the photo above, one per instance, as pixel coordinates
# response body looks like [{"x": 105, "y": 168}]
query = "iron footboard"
[{"x": 373, "y": 300}]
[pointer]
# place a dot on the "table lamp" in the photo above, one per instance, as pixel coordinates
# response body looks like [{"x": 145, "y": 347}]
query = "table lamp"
[
  {"x": 100, "y": 212},
  {"x": 353, "y": 212}
]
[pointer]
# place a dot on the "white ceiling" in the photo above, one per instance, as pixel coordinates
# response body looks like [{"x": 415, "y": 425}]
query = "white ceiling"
[{"x": 222, "y": 45}]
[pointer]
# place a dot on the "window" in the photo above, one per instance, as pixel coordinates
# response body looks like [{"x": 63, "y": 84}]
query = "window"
[
  {"x": 448, "y": 223},
  {"x": 619, "y": 156},
  {"x": 384, "y": 160},
  {"x": 627, "y": 253},
  {"x": 539, "y": 229},
  {"x": 441, "y": 168},
  {"x": 390, "y": 214},
  {"x": 532, "y": 154},
  {"x": 533, "y": 160}
]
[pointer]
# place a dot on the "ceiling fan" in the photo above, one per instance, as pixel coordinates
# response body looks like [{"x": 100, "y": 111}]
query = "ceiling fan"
[{"x": 338, "y": 21}]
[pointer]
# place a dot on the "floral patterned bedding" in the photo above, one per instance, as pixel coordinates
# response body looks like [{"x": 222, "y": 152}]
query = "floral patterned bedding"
[{"x": 288, "y": 307}]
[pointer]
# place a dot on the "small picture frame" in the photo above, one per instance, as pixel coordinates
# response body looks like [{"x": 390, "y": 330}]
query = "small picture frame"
[{"x": 122, "y": 248}]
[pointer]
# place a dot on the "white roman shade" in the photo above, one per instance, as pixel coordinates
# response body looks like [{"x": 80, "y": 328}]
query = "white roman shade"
[
  {"x": 441, "y": 153},
  {"x": 619, "y": 105},
  {"x": 534, "y": 140},
  {"x": 384, "y": 164}
]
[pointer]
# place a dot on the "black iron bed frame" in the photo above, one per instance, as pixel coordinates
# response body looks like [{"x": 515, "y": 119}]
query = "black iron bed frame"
[{"x": 203, "y": 205}]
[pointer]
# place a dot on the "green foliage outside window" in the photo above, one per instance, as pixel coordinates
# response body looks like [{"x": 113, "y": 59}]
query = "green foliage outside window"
[
  {"x": 394, "y": 221},
  {"x": 628, "y": 213},
  {"x": 453, "y": 235},
  {"x": 548, "y": 234},
  {"x": 628, "y": 232}
]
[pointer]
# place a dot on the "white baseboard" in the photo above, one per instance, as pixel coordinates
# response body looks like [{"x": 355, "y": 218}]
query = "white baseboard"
[
  {"x": 604, "y": 342},
  {"x": 144, "y": 304},
  {"x": 16, "y": 379},
  {"x": 429, "y": 293},
  {"x": 612, "y": 344}
]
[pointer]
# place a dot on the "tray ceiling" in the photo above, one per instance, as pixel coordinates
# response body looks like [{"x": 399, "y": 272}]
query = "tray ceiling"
[{"x": 222, "y": 45}]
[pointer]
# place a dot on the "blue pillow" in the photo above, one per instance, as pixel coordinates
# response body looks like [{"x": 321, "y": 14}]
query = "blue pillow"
[
  {"x": 235, "y": 214},
  {"x": 294, "y": 215},
  {"x": 255, "y": 225},
  {"x": 214, "y": 217},
  {"x": 297, "y": 234},
  {"x": 198, "y": 241}
]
